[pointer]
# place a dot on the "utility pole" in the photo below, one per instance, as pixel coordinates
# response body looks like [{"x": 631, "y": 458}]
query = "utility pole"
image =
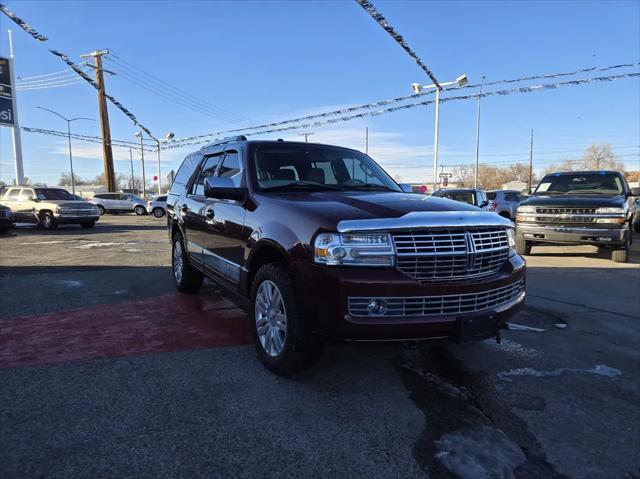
[
  {"x": 531, "y": 163},
  {"x": 366, "y": 140},
  {"x": 107, "y": 153},
  {"x": 17, "y": 141},
  {"x": 475, "y": 180},
  {"x": 306, "y": 136},
  {"x": 138, "y": 134},
  {"x": 133, "y": 180}
]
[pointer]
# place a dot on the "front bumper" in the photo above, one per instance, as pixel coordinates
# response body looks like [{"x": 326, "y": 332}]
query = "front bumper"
[
  {"x": 327, "y": 303},
  {"x": 74, "y": 219},
  {"x": 573, "y": 234}
]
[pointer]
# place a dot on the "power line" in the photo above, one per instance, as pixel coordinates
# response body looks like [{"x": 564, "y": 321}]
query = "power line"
[
  {"x": 158, "y": 84},
  {"x": 49, "y": 85},
  {"x": 66, "y": 70},
  {"x": 87, "y": 138}
]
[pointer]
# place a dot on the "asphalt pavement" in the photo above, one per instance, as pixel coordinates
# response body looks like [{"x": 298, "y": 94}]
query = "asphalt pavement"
[{"x": 106, "y": 371}]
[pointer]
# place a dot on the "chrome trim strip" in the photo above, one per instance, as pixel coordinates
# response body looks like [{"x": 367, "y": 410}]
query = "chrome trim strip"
[
  {"x": 207, "y": 252},
  {"x": 426, "y": 219}
]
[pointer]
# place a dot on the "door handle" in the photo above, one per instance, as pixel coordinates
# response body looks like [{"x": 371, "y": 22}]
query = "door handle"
[
  {"x": 209, "y": 214},
  {"x": 185, "y": 208}
]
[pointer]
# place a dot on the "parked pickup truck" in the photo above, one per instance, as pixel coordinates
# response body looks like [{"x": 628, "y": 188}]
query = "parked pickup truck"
[
  {"x": 48, "y": 207},
  {"x": 323, "y": 243},
  {"x": 579, "y": 207}
]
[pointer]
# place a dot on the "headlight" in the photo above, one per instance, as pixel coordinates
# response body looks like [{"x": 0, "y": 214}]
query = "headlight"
[
  {"x": 511, "y": 238},
  {"x": 354, "y": 249},
  {"x": 58, "y": 210},
  {"x": 610, "y": 211},
  {"x": 526, "y": 209}
]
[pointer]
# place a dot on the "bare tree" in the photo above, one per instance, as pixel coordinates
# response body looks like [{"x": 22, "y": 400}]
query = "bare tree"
[{"x": 597, "y": 156}]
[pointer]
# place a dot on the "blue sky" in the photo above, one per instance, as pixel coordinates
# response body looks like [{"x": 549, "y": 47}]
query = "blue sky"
[{"x": 276, "y": 60}]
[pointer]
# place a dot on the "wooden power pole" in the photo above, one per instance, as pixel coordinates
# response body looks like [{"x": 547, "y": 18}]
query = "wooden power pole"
[
  {"x": 107, "y": 153},
  {"x": 531, "y": 163}
]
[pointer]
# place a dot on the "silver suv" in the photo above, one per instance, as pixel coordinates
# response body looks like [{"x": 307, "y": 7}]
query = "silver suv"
[
  {"x": 506, "y": 202},
  {"x": 119, "y": 203},
  {"x": 48, "y": 207}
]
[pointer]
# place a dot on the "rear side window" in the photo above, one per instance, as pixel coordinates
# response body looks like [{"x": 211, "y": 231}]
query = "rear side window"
[
  {"x": 184, "y": 174},
  {"x": 12, "y": 194},
  {"x": 492, "y": 195},
  {"x": 511, "y": 197}
]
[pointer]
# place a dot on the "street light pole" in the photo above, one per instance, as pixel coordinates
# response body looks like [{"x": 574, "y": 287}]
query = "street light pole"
[
  {"x": 68, "y": 120},
  {"x": 417, "y": 88},
  {"x": 475, "y": 181}
]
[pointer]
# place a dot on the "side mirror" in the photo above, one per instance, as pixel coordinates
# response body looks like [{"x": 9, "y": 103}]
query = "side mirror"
[
  {"x": 406, "y": 187},
  {"x": 483, "y": 204},
  {"x": 223, "y": 189},
  {"x": 635, "y": 191}
]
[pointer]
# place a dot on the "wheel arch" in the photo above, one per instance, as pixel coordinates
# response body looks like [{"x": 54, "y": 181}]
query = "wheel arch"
[{"x": 264, "y": 252}]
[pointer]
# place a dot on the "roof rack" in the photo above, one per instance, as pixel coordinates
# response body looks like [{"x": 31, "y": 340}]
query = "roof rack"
[{"x": 229, "y": 139}]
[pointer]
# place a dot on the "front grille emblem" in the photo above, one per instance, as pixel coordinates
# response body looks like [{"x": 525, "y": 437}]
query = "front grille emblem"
[{"x": 471, "y": 251}]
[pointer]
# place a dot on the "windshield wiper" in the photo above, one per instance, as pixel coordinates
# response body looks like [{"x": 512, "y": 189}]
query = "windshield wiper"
[
  {"x": 371, "y": 186},
  {"x": 303, "y": 185},
  {"x": 549, "y": 193}
]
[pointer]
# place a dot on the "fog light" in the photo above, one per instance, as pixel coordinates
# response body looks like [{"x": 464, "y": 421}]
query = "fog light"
[{"x": 377, "y": 307}]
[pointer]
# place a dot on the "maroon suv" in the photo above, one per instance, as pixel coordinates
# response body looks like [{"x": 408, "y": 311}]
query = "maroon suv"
[{"x": 323, "y": 243}]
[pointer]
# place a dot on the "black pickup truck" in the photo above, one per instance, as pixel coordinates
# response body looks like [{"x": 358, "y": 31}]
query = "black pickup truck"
[{"x": 579, "y": 207}]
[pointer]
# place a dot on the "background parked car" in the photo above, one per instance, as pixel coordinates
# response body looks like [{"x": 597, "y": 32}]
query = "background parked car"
[
  {"x": 636, "y": 217},
  {"x": 119, "y": 203},
  {"x": 467, "y": 195},
  {"x": 49, "y": 207},
  {"x": 505, "y": 202},
  {"x": 6, "y": 219},
  {"x": 157, "y": 206}
]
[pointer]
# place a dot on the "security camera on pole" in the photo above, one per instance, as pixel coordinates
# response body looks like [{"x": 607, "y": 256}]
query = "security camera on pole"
[{"x": 461, "y": 81}]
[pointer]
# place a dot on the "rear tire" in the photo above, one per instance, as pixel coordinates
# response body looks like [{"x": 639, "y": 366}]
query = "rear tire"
[
  {"x": 47, "y": 221},
  {"x": 620, "y": 255},
  {"x": 523, "y": 247},
  {"x": 88, "y": 224},
  {"x": 282, "y": 335},
  {"x": 139, "y": 210},
  {"x": 158, "y": 212},
  {"x": 185, "y": 277}
]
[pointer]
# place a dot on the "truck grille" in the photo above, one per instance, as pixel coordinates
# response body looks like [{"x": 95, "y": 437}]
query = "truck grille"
[
  {"x": 451, "y": 254},
  {"x": 78, "y": 212},
  {"x": 450, "y": 304},
  {"x": 565, "y": 215}
]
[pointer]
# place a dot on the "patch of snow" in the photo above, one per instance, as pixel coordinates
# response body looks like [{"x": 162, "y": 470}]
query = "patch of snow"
[
  {"x": 513, "y": 348},
  {"x": 480, "y": 453},
  {"x": 522, "y": 327},
  {"x": 97, "y": 244},
  {"x": 45, "y": 242},
  {"x": 561, "y": 325},
  {"x": 72, "y": 283},
  {"x": 598, "y": 369}
]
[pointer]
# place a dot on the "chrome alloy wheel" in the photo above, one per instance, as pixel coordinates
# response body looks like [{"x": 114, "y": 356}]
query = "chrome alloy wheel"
[
  {"x": 178, "y": 261},
  {"x": 271, "y": 318}
]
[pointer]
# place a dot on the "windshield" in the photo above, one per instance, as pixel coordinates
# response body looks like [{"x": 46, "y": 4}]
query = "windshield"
[
  {"x": 293, "y": 166},
  {"x": 54, "y": 194},
  {"x": 581, "y": 183}
]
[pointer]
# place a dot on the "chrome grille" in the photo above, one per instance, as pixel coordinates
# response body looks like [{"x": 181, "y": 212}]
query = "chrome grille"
[
  {"x": 451, "y": 254},
  {"x": 78, "y": 212},
  {"x": 440, "y": 305},
  {"x": 566, "y": 211}
]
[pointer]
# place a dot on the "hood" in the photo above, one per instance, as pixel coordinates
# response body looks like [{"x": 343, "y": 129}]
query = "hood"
[
  {"x": 576, "y": 201},
  {"x": 334, "y": 206}
]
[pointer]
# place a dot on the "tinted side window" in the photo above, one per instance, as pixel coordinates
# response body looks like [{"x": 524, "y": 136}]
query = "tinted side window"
[
  {"x": 184, "y": 173},
  {"x": 492, "y": 195},
  {"x": 511, "y": 197},
  {"x": 230, "y": 168},
  {"x": 12, "y": 194},
  {"x": 208, "y": 170}
]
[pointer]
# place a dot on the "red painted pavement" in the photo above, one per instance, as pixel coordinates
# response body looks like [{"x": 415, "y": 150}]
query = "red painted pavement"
[{"x": 172, "y": 322}]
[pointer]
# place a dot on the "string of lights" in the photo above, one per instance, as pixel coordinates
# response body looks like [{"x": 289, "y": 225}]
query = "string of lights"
[
  {"x": 384, "y": 23},
  {"x": 22, "y": 24},
  {"x": 519, "y": 90},
  {"x": 398, "y": 100}
]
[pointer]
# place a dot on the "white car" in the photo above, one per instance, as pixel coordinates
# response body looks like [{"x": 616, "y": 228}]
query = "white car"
[
  {"x": 157, "y": 206},
  {"x": 119, "y": 203}
]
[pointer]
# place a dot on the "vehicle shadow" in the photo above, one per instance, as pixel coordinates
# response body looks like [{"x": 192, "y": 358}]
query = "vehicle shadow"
[{"x": 62, "y": 230}]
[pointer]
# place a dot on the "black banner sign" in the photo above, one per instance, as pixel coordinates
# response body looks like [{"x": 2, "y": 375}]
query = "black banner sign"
[{"x": 6, "y": 103}]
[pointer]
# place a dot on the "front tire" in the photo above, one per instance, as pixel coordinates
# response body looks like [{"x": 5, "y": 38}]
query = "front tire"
[
  {"x": 88, "y": 225},
  {"x": 139, "y": 210},
  {"x": 620, "y": 255},
  {"x": 185, "y": 278},
  {"x": 158, "y": 212},
  {"x": 282, "y": 336},
  {"x": 47, "y": 221},
  {"x": 523, "y": 247}
]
